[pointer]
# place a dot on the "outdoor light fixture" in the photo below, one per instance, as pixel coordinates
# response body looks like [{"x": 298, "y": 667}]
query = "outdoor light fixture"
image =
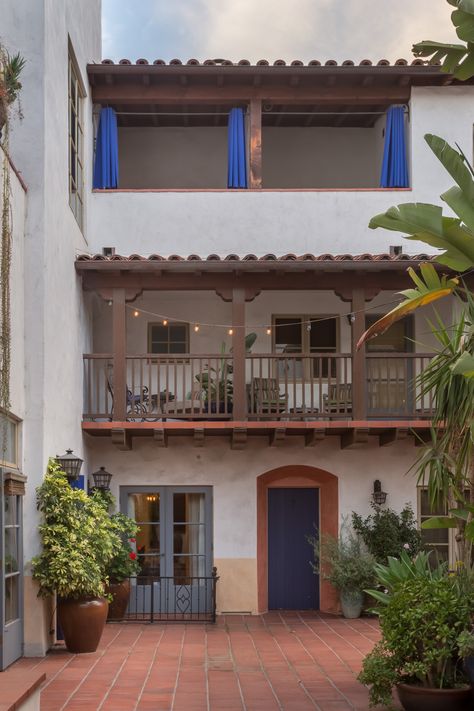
[
  {"x": 379, "y": 496},
  {"x": 70, "y": 464},
  {"x": 101, "y": 479}
]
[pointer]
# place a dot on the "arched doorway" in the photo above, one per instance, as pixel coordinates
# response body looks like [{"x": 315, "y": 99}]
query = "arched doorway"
[{"x": 322, "y": 489}]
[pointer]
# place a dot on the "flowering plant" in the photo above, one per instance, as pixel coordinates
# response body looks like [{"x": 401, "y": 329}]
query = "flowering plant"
[{"x": 124, "y": 563}]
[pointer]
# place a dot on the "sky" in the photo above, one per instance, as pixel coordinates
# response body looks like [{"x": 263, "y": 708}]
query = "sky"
[{"x": 271, "y": 29}]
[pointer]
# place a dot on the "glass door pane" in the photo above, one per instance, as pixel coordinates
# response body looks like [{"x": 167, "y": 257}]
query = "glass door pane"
[
  {"x": 189, "y": 535},
  {"x": 145, "y": 509}
]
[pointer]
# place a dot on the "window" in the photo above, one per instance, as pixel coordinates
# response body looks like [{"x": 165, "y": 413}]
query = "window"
[
  {"x": 169, "y": 338},
  {"x": 76, "y": 176},
  {"x": 292, "y": 335},
  {"x": 8, "y": 441}
]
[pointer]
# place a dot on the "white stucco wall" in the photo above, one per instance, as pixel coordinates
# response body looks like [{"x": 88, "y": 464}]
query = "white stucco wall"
[
  {"x": 17, "y": 283},
  {"x": 56, "y": 320},
  {"x": 278, "y": 222}
]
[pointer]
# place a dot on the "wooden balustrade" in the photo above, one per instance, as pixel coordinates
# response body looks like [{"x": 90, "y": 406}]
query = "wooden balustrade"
[{"x": 275, "y": 387}]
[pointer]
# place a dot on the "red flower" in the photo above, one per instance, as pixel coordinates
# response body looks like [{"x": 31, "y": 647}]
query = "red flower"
[
  {"x": 132, "y": 555},
  {"x": 132, "y": 540}
]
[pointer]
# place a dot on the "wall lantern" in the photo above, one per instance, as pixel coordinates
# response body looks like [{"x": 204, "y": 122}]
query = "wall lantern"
[
  {"x": 379, "y": 496},
  {"x": 102, "y": 479},
  {"x": 70, "y": 464}
]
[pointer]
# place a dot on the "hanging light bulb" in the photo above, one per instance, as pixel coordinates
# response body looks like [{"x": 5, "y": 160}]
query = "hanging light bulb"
[
  {"x": 308, "y": 326},
  {"x": 136, "y": 313},
  {"x": 165, "y": 322},
  {"x": 196, "y": 328},
  {"x": 230, "y": 331},
  {"x": 269, "y": 331}
]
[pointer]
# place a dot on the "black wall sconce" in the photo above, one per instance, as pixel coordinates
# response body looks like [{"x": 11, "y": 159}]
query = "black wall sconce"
[
  {"x": 70, "y": 464},
  {"x": 378, "y": 495},
  {"x": 101, "y": 479}
]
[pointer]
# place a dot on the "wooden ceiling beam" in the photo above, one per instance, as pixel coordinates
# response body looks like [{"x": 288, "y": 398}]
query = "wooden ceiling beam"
[
  {"x": 140, "y": 94},
  {"x": 325, "y": 281}
]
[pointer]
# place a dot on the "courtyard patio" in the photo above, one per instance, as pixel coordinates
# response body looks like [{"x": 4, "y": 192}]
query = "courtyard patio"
[{"x": 293, "y": 661}]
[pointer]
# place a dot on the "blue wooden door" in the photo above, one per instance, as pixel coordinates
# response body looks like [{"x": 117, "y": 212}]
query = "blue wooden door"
[{"x": 292, "y": 515}]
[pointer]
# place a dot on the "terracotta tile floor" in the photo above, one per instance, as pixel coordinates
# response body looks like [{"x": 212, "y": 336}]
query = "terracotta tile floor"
[{"x": 291, "y": 661}]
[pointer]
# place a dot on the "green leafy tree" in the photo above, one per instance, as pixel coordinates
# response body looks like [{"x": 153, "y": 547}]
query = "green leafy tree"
[
  {"x": 387, "y": 533},
  {"x": 78, "y": 539}
]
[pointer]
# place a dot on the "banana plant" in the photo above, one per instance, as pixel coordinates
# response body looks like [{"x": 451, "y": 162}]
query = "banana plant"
[
  {"x": 453, "y": 235},
  {"x": 456, "y": 59}
]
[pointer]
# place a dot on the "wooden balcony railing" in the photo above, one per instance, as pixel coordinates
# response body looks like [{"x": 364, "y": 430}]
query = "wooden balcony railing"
[{"x": 277, "y": 387}]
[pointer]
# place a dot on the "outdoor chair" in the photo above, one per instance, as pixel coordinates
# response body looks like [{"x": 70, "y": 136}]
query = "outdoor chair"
[
  {"x": 193, "y": 404},
  {"x": 338, "y": 399},
  {"x": 265, "y": 397},
  {"x": 138, "y": 404}
]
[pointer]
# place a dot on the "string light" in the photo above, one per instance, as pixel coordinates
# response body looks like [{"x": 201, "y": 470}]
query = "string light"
[
  {"x": 268, "y": 328},
  {"x": 136, "y": 313}
]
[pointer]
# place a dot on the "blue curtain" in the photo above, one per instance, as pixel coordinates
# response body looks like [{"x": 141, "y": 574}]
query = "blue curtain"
[
  {"x": 106, "y": 151},
  {"x": 237, "y": 160},
  {"x": 394, "y": 165}
]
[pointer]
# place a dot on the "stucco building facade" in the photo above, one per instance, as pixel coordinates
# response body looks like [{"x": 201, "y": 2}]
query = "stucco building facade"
[{"x": 132, "y": 301}]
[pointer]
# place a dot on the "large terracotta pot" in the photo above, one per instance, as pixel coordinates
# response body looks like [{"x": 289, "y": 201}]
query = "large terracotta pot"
[
  {"x": 82, "y": 622},
  {"x": 419, "y": 698},
  {"x": 121, "y": 594}
]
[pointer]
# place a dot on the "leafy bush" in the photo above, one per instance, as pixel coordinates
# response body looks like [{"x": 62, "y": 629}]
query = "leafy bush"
[
  {"x": 421, "y": 627},
  {"x": 398, "y": 571},
  {"x": 387, "y": 533},
  {"x": 124, "y": 564},
  {"x": 343, "y": 561},
  {"x": 78, "y": 536}
]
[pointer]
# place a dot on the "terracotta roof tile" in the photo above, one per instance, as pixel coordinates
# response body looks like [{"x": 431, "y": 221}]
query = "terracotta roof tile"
[
  {"x": 277, "y": 63},
  {"x": 290, "y": 257}
]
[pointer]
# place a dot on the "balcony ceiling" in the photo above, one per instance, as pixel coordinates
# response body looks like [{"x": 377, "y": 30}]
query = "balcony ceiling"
[{"x": 201, "y": 94}]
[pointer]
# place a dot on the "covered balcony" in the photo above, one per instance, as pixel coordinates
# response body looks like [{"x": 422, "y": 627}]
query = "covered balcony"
[{"x": 254, "y": 345}]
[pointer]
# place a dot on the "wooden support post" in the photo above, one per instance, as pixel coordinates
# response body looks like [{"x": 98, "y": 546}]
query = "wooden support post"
[
  {"x": 359, "y": 376},
  {"x": 255, "y": 153},
  {"x": 118, "y": 349},
  {"x": 238, "y": 354}
]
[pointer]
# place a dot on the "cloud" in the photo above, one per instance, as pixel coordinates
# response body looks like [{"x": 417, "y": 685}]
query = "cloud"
[{"x": 272, "y": 29}]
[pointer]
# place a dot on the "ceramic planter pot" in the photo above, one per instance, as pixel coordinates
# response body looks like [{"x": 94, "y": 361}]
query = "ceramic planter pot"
[
  {"x": 121, "y": 594},
  {"x": 351, "y": 603},
  {"x": 418, "y": 698},
  {"x": 82, "y": 622}
]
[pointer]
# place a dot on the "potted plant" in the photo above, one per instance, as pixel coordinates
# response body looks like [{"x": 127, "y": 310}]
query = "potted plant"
[
  {"x": 347, "y": 565},
  {"x": 78, "y": 541},
  {"x": 217, "y": 385},
  {"x": 423, "y": 622},
  {"x": 10, "y": 70},
  {"x": 123, "y": 566}
]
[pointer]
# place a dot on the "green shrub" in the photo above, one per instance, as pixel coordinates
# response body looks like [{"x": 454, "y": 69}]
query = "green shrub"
[
  {"x": 343, "y": 561},
  {"x": 421, "y": 627},
  {"x": 78, "y": 537},
  {"x": 387, "y": 533}
]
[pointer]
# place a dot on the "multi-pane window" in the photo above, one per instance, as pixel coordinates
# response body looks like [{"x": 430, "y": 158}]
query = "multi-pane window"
[
  {"x": 309, "y": 335},
  {"x": 76, "y": 149},
  {"x": 8, "y": 441},
  {"x": 168, "y": 338}
]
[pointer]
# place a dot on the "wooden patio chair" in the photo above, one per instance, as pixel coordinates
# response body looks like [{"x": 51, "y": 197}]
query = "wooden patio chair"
[
  {"x": 265, "y": 397},
  {"x": 194, "y": 404},
  {"x": 338, "y": 399}
]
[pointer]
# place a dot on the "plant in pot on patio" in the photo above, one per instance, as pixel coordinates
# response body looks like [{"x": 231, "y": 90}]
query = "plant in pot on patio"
[
  {"x": 123, "y": 566},
  {"x": 424, "y": 619},
  {"x": 347, "y": 565},
  {"x": 78, "y": 542},
  {"x": 217, "y": 384}
]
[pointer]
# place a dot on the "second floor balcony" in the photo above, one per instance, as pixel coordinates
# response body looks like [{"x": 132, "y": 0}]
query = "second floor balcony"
[{"x": 182, "y": 344}]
